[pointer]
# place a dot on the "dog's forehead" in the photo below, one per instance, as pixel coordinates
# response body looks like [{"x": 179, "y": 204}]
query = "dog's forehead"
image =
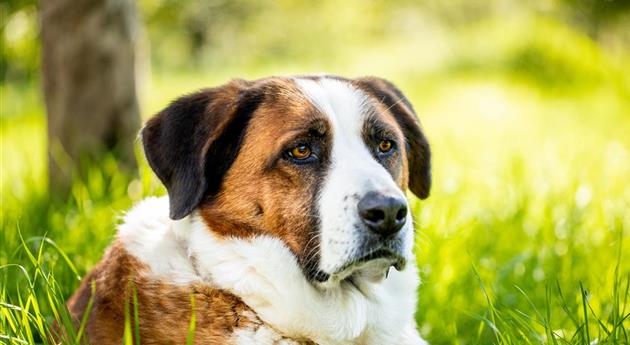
[
  {"x": 329, "y": 105},
  {"x": 345, "y": 107}
]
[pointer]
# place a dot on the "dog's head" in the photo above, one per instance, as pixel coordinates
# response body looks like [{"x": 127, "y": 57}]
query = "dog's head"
[{"x": 321, "y": 163}]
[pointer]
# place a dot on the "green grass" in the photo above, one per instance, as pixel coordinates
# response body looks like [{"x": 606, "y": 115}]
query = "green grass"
[{"x": 524, "y": 239}]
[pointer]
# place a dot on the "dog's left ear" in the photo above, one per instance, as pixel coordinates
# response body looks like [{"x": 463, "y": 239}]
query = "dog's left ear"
[
  {"x": 191, "y": 144},
  {"x": 418, "y": 150}
]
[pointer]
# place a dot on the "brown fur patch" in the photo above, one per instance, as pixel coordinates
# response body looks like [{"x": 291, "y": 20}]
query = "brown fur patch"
[{"x": 164, "y": 309}]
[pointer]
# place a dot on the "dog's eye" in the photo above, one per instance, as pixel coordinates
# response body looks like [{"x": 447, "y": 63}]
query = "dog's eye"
[
  {"x": 300, "y": 152},
  {"x": 385, "y": 146}
]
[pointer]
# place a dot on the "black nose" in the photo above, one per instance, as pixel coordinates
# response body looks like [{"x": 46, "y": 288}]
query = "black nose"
[{"x": 383, "y": 214}]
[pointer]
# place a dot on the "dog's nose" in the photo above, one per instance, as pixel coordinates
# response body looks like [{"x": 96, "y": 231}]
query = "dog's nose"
[{"x": 383, "y": 214}]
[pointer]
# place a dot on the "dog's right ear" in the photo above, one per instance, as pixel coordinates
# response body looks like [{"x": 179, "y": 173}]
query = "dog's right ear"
[{"x": 191, "y": 144}]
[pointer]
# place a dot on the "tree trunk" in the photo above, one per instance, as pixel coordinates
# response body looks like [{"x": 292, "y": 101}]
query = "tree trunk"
[{"x": 88, "y": 63}]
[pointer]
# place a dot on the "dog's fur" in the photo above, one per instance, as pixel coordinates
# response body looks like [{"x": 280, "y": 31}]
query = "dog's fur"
[{"x": 254, "y": 246}]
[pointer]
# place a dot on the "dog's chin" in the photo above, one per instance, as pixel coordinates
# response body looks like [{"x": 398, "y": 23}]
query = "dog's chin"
[
  {"x": 373, "y": 271},
  {"x": 371, "y": 268}
]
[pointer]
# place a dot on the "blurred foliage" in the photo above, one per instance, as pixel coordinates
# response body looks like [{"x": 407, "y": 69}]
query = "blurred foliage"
[
  {"x": 19, "y": 56},
  {"x": 221, "y": 34},
  {"x": 526, "y": 104}
]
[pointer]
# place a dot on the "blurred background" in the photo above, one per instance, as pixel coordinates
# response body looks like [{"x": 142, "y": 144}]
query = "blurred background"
[{"x": 526, "y": 105}]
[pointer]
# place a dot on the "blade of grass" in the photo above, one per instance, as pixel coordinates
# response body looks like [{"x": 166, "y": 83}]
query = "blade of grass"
[
  {"x": 585, "y": 314},
  {"x": 86, "y": 313},
  {"x": 136, "y": 315},
  {"x": 492, "y": 322},
  {"x": 127, "y": 335},
  {"x": 193, "y": 322}
]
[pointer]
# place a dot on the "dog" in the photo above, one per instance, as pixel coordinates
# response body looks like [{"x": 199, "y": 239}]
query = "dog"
[{"x": 286, "y": 220}]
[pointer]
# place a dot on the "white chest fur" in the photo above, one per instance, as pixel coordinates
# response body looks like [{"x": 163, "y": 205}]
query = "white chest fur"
[{"x": 265, "y": 275}]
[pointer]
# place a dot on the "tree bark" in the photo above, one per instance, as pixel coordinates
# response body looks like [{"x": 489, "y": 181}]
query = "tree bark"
[{"x": 88, "y": 63}]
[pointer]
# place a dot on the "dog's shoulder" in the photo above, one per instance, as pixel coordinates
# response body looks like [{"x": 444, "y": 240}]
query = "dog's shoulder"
[{"x": 127, "y": 274}]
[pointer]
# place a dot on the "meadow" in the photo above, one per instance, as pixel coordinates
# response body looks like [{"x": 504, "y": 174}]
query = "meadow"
[{"x": 524, "y": 240}]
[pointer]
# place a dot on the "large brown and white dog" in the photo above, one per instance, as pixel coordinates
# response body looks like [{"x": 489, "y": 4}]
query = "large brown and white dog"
[{"x": 286, "y": 210}]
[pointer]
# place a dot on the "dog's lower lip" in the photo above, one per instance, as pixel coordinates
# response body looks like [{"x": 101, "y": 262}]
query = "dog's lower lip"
[{"x": 382, "y": 253}]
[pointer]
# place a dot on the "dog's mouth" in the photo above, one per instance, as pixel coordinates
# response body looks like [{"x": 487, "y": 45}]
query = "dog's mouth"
[
  {"x": 375, "y": 264},
  {"x": 393, "y": 258}
]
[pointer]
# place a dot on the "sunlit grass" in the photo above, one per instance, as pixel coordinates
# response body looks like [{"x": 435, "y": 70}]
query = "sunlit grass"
[{"x": 530, "y": 203}]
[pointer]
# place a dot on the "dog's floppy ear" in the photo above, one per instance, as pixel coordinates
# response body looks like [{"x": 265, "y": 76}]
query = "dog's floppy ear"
[
  {"x": 191, "y": 144},
  {"x": 418, "y": 150}
]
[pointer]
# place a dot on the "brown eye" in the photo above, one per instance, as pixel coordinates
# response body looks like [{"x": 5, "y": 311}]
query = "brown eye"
[
  {"x": 385, "y": 146},
  {"x": 301, "y": 152}
]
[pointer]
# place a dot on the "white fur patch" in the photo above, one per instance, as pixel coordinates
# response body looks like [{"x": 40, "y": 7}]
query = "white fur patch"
[
  {"x": 149, "y": 234},
  {"x": 265, "y": 275}
]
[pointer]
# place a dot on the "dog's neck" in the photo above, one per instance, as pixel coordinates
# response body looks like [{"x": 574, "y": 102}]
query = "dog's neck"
[{"x": 266, "y": 276}]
